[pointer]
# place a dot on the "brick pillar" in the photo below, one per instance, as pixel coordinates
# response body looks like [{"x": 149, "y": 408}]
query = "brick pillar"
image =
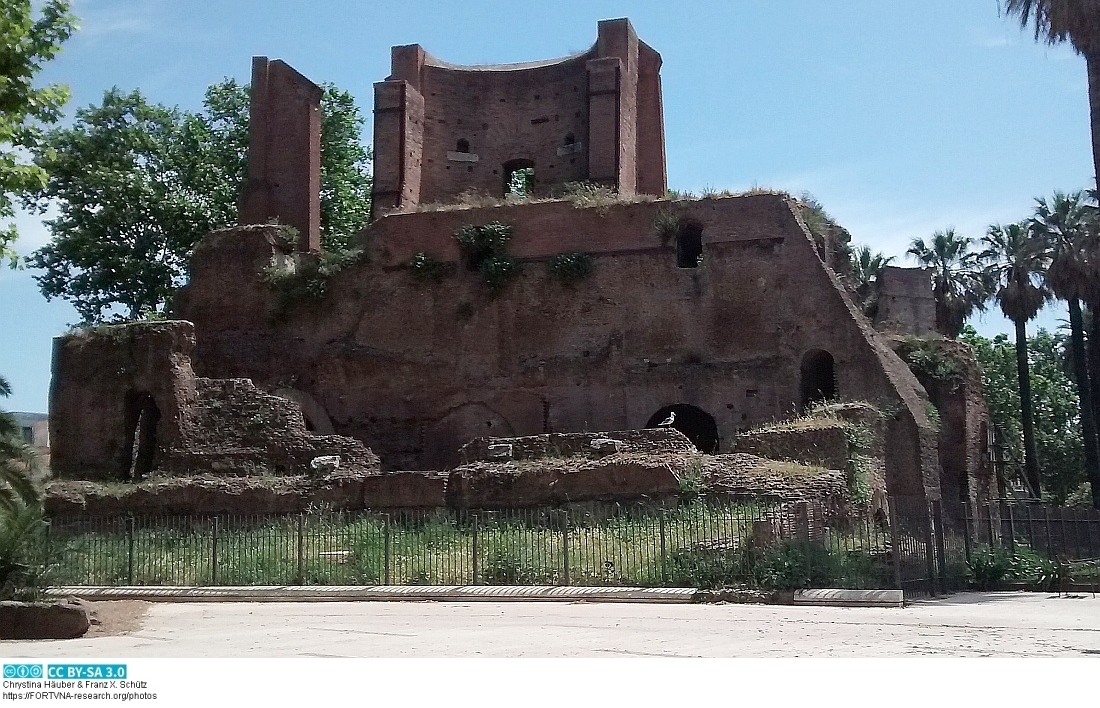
[
  {"x": 284, "y": 152},
  {"x": 604, "y": 81},
  {"x": 652, "y": 178},
  {"x": 398, "y": 146},
  {"x": 617, "y": 39}
]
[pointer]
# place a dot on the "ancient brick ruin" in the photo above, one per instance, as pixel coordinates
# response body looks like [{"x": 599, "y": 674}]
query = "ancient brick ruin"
[
  {"x": 719, "y": 310},
  {"x": 441, "y": 129}
]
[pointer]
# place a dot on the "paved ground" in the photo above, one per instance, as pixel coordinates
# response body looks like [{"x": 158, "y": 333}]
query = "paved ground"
[{"x": 977, "y": 624}]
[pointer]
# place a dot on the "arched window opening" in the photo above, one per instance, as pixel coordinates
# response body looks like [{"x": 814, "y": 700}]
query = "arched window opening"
[
  {"x": 519, "y": 178},
  {"x": 570, "y": 139},
  {"x": 463, "y": 145},
  {"x": 695, "y": 423},
  {"x": 817, "y": 378},
  {"x": 689, "y": 246},
  {"x": 140, "y": 446}
]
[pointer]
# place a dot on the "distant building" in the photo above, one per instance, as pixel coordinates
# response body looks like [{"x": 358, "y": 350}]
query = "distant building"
[{"x": 35, "y": 431}]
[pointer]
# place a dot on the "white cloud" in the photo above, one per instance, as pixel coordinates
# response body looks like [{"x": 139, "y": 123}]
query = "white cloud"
[
  {"x": 984, "y": 39},
  {"x": 100, "y": 20}
]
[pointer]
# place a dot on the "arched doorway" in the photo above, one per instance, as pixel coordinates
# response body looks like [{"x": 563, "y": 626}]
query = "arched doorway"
[
  {"x": 695, "y": 423},
  {"x": 817, "y": 379},
  {"x": 139, "y": 449}
]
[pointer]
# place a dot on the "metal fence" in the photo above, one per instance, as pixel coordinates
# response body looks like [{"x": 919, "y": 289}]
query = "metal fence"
[
  {"x": 700, "y": 544},
  {"x": 941, "y": 544}
]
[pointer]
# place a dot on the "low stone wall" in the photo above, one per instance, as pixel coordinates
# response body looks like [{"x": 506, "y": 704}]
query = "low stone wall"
[
  {"x": 814, "y": 442},
  {"x": 478, "y": 485},
  {"x": 550, "y": 481},
  {"x": 247, "y": 495},
  {"x": 749, "y": 476},
  {"x": 646, "y": 441}
]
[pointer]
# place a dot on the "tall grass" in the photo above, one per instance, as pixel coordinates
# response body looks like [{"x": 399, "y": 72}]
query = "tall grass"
[{"x": 641, "y": 545}]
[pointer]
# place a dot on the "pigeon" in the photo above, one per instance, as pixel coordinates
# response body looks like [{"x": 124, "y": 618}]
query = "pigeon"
[{"x": 668, "y": 421}]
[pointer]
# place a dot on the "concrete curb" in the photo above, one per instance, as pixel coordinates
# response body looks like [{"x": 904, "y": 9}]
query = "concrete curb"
[
  {"x": 473, "y": 593},
  {"x": 334, "y": 593},
  {"x": 850, "y": 598}
]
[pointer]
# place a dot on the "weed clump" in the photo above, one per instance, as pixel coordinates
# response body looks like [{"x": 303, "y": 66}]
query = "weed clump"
[
  {"x": 570, "y": 268},
  {"x": 485, "y": 250}
]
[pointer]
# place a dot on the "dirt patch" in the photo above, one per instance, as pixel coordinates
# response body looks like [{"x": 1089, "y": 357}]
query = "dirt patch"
[{"x": 116, "y": 617}]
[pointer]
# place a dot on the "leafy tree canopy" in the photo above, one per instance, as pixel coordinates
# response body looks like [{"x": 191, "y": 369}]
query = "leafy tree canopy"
[
  {"x": 1054, "y": 395},
  {"x": 26, "y": 44},
  {"x": 960, "y": 283},
  {"x": 138, "y": 184}
]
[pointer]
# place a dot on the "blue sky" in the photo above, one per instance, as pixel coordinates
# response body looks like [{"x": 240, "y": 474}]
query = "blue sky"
[{"x": 901, "y": 118}]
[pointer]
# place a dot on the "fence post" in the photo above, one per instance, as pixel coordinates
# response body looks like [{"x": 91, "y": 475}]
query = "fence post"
[
  {"x": 929, "y": 550},
  {"x": 565, "y": 547},
  {"x": 1011, "y": 530},
  {"x": 664, "y": 561},
  {"x": 941, "y": 552},
  {"x": 895, "y": 546},
  {"x": 966, "y": 531},
  {"x": 301, "y": 576},
  {"x": 386, "y": 552},
  {"x": 1030, "y": 528},
  {"x": 804, "y": 529},
  {"x": 130, "y": 550},
  {"x": 214, "y": 553},
  {"x": 1050, "y": 538},
  {"x": 47, "y": 541},
  {"x": 474, "y": 551}
]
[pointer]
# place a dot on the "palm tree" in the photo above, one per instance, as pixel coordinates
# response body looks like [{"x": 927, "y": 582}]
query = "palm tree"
[
  {"x": 1078, "y": 22},
  {"x": 865, "y": 272},
  {"x": 23, "y": 565},
  {"x": 1017, "y": 261},
  {"x": 1064, "y": 225},
  {"x": 959, "y": 282},
  {"x": 17, "y": 489}
]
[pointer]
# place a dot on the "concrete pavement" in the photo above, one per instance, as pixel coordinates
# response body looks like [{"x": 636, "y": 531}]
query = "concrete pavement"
[{"x": 969, "y": 624}]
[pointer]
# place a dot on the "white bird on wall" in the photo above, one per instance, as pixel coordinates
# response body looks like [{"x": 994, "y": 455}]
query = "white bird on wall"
[{"x": 668, "y": 421}]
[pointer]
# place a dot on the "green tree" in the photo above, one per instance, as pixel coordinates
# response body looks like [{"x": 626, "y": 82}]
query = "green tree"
[
  {"x": 138, "y": 184},
  {"x": 23, "y": 563},
  {"x": 1055, "y": 401},
  {"x": 960, "y": 284},
  {"x": 128, "y": 183},
  {"x": 17, "y": 489},
  {"x": 1078, "y": 22},
  {"x": 25, "y": 45},
  {"x": 1064, "y": 225},
  {"x": 864, "y": 272},
  {"x": 1017, "y": 262}
]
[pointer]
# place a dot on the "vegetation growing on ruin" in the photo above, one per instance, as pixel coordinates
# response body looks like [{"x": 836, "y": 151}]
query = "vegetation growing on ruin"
[
  {"x": 426, "y": 267},
  {"x": 667, "y": 223},
  {"x": 833, "y": 241},
  {"x": 570, "y": 268},
  {"x": 309, "y": 275},
  {"x": 484, "y": 249},
  {"x": 933, "y": 358},
  {"x": 859, "y": 441}
]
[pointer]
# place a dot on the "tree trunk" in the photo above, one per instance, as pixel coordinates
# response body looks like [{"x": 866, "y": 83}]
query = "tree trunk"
[
  {"x": 1031, "y": 459},
  {"x": 1092, "y": 348},
  {"x": 1092, "y": 61},
  {"x": 1088, "y": 421}
]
